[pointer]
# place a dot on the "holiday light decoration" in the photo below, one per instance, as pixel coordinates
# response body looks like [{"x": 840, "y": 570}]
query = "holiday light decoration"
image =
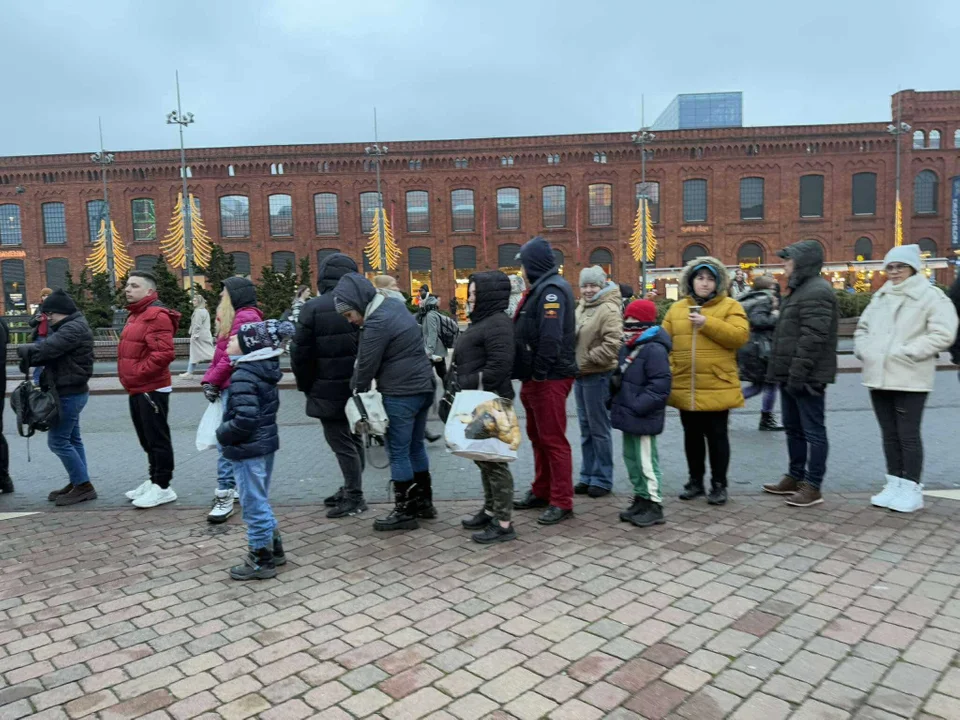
[
  {"x": 388, "y": 257},
  {"x": 97, "y": 261},
  {"x": 642, "y": 218},
  {"x": 173, "y": 245}
]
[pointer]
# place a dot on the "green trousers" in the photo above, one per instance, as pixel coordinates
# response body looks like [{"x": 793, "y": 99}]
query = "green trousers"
[
  {"x": 497, "y": 489},
  {"x": 643, "y": 465}
]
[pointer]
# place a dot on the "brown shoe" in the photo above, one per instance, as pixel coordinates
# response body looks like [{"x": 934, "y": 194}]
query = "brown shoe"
[
  {"x": 786, "y": 486},
  {"x": 54, "y": 494},
  {"x": 76, "y": 494},
  {"x": 805, "y": 496}
]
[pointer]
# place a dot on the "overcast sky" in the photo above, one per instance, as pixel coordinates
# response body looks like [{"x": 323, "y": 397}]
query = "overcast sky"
[{"x": 280, "y": 72}]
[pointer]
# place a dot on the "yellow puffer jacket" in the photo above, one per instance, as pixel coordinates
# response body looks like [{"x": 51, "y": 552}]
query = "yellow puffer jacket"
[{"x": 704, "y": 361}]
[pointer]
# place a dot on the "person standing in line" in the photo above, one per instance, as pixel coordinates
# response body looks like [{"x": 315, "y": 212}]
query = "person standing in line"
[
  {"x": 322, "y": 357},
  {"x": 739, "y": 287},
  {"x": 903, "y": 330},
  {"x": 640, "y": 388},
  {"x": 454, "y": 308},
  {"x": 517, "y": 289},
  {"x": 6, "y": 483},
  {"x": 546, "y": 364},
  {"x": 66, "y": 357},
  {"x": 599, "y": 337},
  {"x": 40, "y": 327},
  {"x": 144, "y": 355},
  {"x": 386, "y": 285},
  {"x": 761, "y": 306},
  {"x": 238, "y": 306},
  {"x": 429, "y": 318},
  {"x": 803, "y": 361},
  {"x": 707, "y": 327},
  {"x": 423, "y": 294},
  {"x": 201, "y": 339},
  {"x": 483, "y": 359}
]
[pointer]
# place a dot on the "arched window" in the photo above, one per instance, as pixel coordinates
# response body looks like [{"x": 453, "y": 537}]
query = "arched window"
[
  {"x": 925, "y": 187},
  {"x": 928, "y": 248},
  {"x": 325, "y": 214},
  {"x": 507, "y": 260},
  {"x": 464, "y": 265},
  {"x": 369, "y": 203},
  {"x": 554, "y": 206},
  {"x": 864, "y": 194},
  {"x": 919, "y": 140},
  {"x": 652, "y": 191},
  {"x": 508, "y": 208},
  {"x": 96, "y": 213},
  {"x": 692, "y": 252},
  {"x": 283, "y": 261},
  {"x": 603, "y": 258},
  {"x": 558, "y": 260},
  {"x": 418, "y": 211},
  {"x": 461, "y": 202},
  {"x": 57, "y": 271},
  {"x": 235, "y": 216},
  {"x": 144, "y": 220},
  {"x": 750, "y": 254},
  {"x": 54, "y": 223},
  {"x": 420, "y": 260},
  {"x": 695, "y": 201},
  {"x": 751, "y": 198},
  {"x": 323, "y": 254},
  {"x": 863, "y": 249},
  {"x": 281, "y": 215},
  {"x": 956, "y": 138},
  {"x": 145, "y": 263},
  {"x": 14, "y": 285},
  {"x": 600, "y": 211},
  {"x": 934, "y": 143},
  {"x": 241, "y": 263}
]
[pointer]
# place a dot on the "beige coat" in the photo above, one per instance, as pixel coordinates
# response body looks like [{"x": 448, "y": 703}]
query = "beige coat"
[
  {"x": 901, "y": 333},
  {"x": 599, "y": 331},
  {"x": 201, "y": 339}
]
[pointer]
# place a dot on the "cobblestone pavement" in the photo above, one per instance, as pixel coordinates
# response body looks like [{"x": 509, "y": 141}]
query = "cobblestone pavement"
[{"x": 750, "y": 611}]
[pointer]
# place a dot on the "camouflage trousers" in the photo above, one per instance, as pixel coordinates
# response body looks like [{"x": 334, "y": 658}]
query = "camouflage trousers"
[{"x": 497, "y": 489}]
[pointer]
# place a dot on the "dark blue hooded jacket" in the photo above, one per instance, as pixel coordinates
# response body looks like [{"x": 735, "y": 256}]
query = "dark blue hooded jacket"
[
  {"x": 640, "y": 406},
  {"x": 249, "y": 427},
  {"x": 546, "y": 324}
]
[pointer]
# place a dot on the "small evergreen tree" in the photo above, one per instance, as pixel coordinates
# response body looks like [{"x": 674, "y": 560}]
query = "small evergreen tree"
[
  {"x": 102, "y": 302},
  {"x": 305, "y": 274},
  {"x": 171, "y": 293},
  {"x": 79, "y": 290},
  {"x": 275, "y": 290},
  {"x": 221, "y": 267}
]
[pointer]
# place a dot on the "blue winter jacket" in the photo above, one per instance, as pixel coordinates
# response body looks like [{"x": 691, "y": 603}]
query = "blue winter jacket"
[
  {"x": 640, "y": 406},
  {"x": 249, "y": 427}
]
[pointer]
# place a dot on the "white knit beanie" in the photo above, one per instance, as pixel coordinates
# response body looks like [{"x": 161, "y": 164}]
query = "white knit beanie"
[
  {"x": 595, "y": 275},
  {"x": 906, "y": 254}
]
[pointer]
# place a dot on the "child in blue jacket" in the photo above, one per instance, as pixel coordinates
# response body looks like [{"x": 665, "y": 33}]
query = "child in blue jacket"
[{"x": 639, "y": 405}]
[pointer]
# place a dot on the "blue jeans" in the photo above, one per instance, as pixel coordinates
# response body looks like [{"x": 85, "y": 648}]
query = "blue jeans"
[
  {"x": 253, "y": 484},
  {"x": 807, "y": 446},
  {"x": 226, "y": 479},
  {"x": 408, "y": 423},
  {"x": 769, "y": 399},
  {"x": 596, "y": 439},
  {"x": 64, "y": 438}
]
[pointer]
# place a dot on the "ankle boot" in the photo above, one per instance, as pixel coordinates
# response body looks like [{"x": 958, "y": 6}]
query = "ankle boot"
[
  {"x": 257, "y": 565},
  {"x": 6, "y": 484},
  {"x": 279, "y": 556},
  {"x": 768, "y": 423},
  {"x": 422, "y": 495},
  {"x": 718, "y": 493},
  {"x": 692, "y": 490},
  {"x": 639, "y": 504},
  {"x": 403, "y": 516}
]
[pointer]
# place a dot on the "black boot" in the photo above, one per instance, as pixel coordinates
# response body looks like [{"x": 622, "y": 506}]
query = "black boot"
[
  {"x": 422, "y": 495},
  {"x": 718, "y": 493},
  {"x": 279, "y": 557},
  {"x": 768, "y": 423},
  {"x": 404, "y": 515},
  {"x": 257, "y": 565},
  {"x": 334, "y": 499},
  {"x": 652, "y": 514},
  {"x": 639, "y": 503},
  {"x": 692, "y": 490},
  {"x": 6, "y": 485}
]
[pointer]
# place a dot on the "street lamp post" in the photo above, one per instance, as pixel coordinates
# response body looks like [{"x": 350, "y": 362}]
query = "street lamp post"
[
  {"x": 642, "y": 138},
  {"x": 103, "y": 159},
  {"x": 377, "y": 151},
  {"x": 178, "y": 117},
  {"x": 900, "y": 128}
]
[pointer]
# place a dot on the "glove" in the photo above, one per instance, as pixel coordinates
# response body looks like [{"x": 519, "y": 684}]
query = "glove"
[{"x": 210, "y": 392}]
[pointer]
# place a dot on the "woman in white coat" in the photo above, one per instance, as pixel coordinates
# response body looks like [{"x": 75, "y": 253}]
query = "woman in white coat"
[
  {"x": 906, "y": 326},
  {"x": 201, "y": 339}
]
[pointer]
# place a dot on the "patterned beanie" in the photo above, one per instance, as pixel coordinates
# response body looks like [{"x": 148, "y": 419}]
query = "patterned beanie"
[{"x": 262, "y": 335}]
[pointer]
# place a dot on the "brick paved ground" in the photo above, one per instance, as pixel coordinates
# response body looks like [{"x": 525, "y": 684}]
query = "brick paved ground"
[{"x": 748, "y": 611}]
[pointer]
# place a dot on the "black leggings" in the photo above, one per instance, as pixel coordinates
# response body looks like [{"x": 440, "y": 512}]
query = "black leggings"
[
  {"x": 899, "y": 414},
  {"x": 712, "y": 427}
]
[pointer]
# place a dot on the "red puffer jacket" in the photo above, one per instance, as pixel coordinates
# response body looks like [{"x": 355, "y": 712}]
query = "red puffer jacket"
[{"x": 146, "y": 346}]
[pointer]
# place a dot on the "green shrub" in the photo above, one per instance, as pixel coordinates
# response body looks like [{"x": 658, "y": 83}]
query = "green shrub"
[{"x": 852, "y": 305}]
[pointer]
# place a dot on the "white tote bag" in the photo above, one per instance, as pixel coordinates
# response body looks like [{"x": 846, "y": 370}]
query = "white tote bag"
[
  {"x": 477, "y": 422},
  {"x": 366, "y": 414},
  {"x": 207, "y": 430}
]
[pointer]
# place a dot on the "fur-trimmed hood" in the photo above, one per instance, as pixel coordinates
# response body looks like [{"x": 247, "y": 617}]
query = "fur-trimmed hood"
[{"x": 718, "y": 268}]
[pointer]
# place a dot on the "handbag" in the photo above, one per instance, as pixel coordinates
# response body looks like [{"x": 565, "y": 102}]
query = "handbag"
[
  {"x": 35, "y": 408},
  {"x": 366, "y": 414}
]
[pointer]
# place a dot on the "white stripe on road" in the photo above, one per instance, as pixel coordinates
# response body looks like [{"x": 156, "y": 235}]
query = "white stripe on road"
[
  {"x": 948, "y": 494},
  {"x": 11, "y": 516}
]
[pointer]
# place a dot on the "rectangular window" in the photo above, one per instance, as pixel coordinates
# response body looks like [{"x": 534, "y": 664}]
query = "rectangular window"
[
  {"x": 600, "y": 209},
  {"x": 144, "y": 220},
  {"x": 54, "y": 224},
  {"x": 652, "y": 190},
  {"x": 751, "y": 198},
  {"x": 811, "y": 196},
  {"x": 325, "y": 210},
  {"x": 235, "y": 216},
  {"x": 369, "y": 203},
  {"x": 694, "y": 201},
  {"x": 418, "y": 211},
  {"x": 14, "y": 283},
  {"x": 864, "y": 195},
  {"x": 555, "y": 206},
  {"x": 281, "y": 215},
  {"x": 11, "y": 232},
  {"x": 96, "y": 213},
  {"x": 508, "y": 208},
  {"x": 464, "y": 217}
]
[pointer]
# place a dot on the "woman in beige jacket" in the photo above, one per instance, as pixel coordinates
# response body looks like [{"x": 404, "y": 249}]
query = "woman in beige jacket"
[
  {"x": 907, "y": 324},
  {"x": 599, "y": 335}
]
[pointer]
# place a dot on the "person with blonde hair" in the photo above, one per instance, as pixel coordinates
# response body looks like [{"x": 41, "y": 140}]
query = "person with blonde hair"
[
  {"x": 386, "y": 285},
  {"x": 201, "y": 339}
]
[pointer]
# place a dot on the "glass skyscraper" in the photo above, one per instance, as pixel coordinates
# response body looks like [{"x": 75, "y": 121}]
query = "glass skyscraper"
[{"x": 702, "y": 110}]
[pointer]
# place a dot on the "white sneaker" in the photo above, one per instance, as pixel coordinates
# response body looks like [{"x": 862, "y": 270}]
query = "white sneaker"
[
  {"x": 155, "y": 496},
  {"x": 139, "y": 490},
  {"x": 186, "y": 375},
  {"x": 909, "y": 499},
  {"x": 223, "y": 506},
  {"x": 890, "y": 491}
]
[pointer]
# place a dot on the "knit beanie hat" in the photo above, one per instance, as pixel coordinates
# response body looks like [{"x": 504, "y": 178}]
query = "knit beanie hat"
[
  {"x": 595, "y": 275},
  {"x": 640, "y": 313},
  {"x": 906, "y": 254},
  {"x": 262, "y": 335},
  {"x": 60, "y": 303}
]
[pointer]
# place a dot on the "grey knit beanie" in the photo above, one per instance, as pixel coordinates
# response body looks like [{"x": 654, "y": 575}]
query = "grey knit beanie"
[{"x": 595, "y": 275}]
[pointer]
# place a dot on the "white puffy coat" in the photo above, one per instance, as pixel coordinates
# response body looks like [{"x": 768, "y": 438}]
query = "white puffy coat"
[{"x": 901, "y": 333}]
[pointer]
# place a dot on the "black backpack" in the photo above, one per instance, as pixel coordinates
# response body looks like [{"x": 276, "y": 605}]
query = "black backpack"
[
  {"x": 449, "y": 330},
  {"x": 36, "y": 409}
]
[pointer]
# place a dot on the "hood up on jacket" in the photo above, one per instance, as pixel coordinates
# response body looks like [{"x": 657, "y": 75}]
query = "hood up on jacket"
[
  {"x": 242, "y": 292},
  {"x": 807, "y": 256},
  {"x": 492, "y": 292},
  {"x": 711, "y": 263},
  {"x": 626, "y": 291},
  {"x": 332, "y": 268},
  {"x": 354, "y": 291},
  {"x": 652, "y": 334},
  {"x": 536, "y": 256}
]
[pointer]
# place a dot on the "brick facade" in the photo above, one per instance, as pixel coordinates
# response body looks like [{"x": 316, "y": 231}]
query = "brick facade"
[{"x": 779, "y": 155}]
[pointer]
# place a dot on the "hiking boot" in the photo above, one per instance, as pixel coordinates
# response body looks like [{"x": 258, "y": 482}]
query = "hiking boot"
[
  {"x": 692, "y": 490},
  {"x": 478, "y": 521},
  {"x": 651, "y": 515},
  {"x": 718, "y": 494},
  {"x": 76, "y": 494},
  {"x": 552, "y": 515},
  {"x": 786, "y": 486},
  {"x": 768, "y": 423},
  {"x": 155, "y": 496},
  {"x": 257, "y": 565},
  {"x": 139, "y": 490},
  {"x": 596, "y": 491},
  {"x": 529, "y": 502},
  {"x": 223, "y": 506},
  {"x": 581, "y": 489},
  {"x": 639, "y": 503},
  {"x": 6, "y": 485},
  {"x": 52, "y": 497},
  {"x": 805, "y": 496},
  {"x": 334, "y": 499},
  {"x": 279, "y": 556},
  {"x": 889, "y": 492},
  {"x": 403, "y": 516},
  {"x": 421, "y": 494},
  {"x": 348, "y": 507},
  {"x": 494, "y": 533}
]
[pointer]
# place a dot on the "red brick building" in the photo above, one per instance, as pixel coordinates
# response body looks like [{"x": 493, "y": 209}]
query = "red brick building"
[{"x": 461, "y": 205}]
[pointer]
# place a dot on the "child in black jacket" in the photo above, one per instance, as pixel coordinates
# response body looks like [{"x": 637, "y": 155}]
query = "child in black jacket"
[{"x": 249, "y": 436}]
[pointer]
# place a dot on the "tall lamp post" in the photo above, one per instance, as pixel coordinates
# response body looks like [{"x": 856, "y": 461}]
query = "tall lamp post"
[
  {"x": 900, "y": 128},
  {"x": 377, "y": 151},
  {"x": 103, "y": 159},
  {"x": 178, "y": 117},
  {"x": 642, "y": 138}
]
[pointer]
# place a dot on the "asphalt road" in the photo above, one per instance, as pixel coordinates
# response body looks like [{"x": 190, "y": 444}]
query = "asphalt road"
[{"x": 306, "y": 470}]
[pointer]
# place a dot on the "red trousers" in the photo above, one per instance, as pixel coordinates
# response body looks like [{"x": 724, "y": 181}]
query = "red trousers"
[{"x": 546, "y": 406}]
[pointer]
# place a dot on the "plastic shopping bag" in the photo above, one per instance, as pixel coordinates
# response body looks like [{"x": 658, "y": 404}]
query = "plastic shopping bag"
[
  {"x": 207, "y": 431},
  {"x": 482, "y": 426}
]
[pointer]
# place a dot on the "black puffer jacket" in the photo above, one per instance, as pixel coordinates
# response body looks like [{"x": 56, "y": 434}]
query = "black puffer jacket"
[
  {"x": 324, "y": 348},
  {"x": 67, "y": 355},
  {"x": 805, "y": 342},
  {"x": 753, "y": 358},
  {"x": 486, "y": 346},
  {"x": 249, "y": 427}
]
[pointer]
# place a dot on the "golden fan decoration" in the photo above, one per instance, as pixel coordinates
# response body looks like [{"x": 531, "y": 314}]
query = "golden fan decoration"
[
  {"x": 898, "y": 229},
  {"x": 372, "y": 248},
  {"x": 174, "y": 246},
  {"x": 636, "y": 237},
  {"x": 97, "y": 262}
]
